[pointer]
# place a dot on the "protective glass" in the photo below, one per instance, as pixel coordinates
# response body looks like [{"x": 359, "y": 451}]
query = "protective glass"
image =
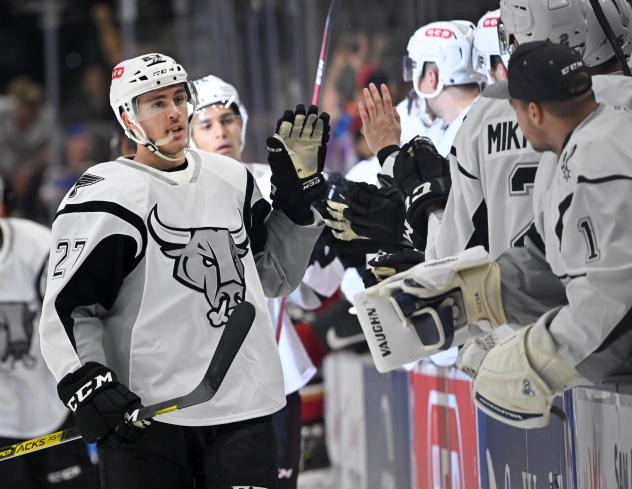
[
  {"x": 408, "y": 64},
  {"x": 505, "y": 40},
  {"x": 155, "y": 103}
]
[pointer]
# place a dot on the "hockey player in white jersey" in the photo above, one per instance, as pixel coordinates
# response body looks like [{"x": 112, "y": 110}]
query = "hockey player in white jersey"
[
  {"x": 440, "y": 66},
  {"x": 583, "y": 246},
  {"x": 29, "y": 406},
  {"x": 492, "y": 166},
  {"x": 151, "y": 254},
  {"x": 220, "y": 126},
  {"x": 485, "y": 49}
]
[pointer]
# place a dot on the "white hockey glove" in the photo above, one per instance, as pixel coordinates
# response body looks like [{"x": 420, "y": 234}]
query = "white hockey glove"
[
  {"x": 431, "y": 307},
  {"x": 519, "y": 378}
]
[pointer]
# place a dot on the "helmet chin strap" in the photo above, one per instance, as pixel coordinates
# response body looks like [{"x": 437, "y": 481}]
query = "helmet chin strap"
[{"x": 140, "y": 137}]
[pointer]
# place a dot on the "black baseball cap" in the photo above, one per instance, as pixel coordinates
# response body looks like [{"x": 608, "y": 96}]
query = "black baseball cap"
[{"x": 543, "y": 71}]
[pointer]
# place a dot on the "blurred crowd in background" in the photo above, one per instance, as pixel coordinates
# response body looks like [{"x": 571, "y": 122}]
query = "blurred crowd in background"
[{"x": 56, "y": 120}]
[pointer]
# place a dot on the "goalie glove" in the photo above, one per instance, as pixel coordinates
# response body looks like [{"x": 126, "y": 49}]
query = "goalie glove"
[
  {"x": 99, "y": 402},
  {"x": 519, "y": 378},
  {"x": 431, "y": 307},
  {"x": 296, "y": 154}
]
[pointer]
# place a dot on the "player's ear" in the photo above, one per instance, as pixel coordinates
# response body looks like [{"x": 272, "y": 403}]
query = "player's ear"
[{"x": 535, "y": 112}]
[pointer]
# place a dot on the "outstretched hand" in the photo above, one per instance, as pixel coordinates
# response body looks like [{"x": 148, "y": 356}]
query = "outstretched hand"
[{"x": 379, "y": 118}]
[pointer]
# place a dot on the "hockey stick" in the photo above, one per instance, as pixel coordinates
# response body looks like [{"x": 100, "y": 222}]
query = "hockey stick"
[
  {"x": 233, "y": 336},
  {"x": 612, "y": 39},
  {"x": 324, "y": 48}
]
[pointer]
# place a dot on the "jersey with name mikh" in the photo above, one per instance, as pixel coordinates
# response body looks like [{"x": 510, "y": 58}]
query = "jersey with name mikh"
[{"x": 493, "y": 170}]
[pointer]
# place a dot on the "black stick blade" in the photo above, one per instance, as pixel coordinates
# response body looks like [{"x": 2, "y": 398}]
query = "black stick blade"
[{"x": 236, "y": 330}]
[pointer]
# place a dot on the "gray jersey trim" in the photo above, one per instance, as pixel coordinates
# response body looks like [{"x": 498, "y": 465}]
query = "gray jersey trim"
[
  {"x": 197, "y": 166},
  {"x": 146, "y": 170}
]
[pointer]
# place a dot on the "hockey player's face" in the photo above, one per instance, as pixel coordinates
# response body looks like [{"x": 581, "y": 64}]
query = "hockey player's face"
[
  {"x": 163, "y": 116},
  {"x": 218, "y": 129},
  {"x": 529, "y": 122}
]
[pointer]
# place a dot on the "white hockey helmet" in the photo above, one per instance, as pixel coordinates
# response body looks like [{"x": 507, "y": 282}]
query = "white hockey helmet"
[
  {"x": 213, "y": 90},
  {"x": 448, "y": 45},
  {"x": 560, "y": 21},
  {"x": 136, "y": 76},
  {"x": 619, "y": 15},
  {"x": 485, "y": 43}
]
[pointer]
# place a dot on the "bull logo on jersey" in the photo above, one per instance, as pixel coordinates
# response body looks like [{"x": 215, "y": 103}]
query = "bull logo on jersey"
[
  {"x": 16, "y": 335},
  {"x": 206, "y": 260}
]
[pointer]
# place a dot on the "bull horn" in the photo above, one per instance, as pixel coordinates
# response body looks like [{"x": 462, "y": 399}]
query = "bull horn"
[{"x": 166, "y": 236}]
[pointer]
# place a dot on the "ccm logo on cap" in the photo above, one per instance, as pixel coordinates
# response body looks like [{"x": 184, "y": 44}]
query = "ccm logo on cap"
[
  {"x": 117, "y": 72},
  {"x": 572, "y": 67},
  {"x": 490, "y": 22},
  {"x": 439, "y": 32}
]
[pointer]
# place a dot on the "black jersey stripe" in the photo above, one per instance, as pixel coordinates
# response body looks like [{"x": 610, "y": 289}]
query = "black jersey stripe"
[
  {"x": 609, "y": 178},
  {"x": 480, "y": 235},
  {"x": 559, "y": 226},
  {"x": 114, "y": 209},
  {"x": 463, "y": 171},
  {"x": 254, "y": 218},
  {"x": 536, "y": 239}
]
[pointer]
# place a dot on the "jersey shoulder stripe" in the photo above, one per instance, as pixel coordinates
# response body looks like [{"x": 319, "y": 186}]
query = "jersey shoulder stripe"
[{"x": 114, "y": 209}]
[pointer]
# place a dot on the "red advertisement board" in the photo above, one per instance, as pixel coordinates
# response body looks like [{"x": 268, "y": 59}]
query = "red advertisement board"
[{"x": 444, "y": 429}]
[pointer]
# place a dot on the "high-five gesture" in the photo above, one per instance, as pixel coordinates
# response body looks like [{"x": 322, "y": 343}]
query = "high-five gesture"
[
  {"x": 379, "y": 118},
  {"x": 296, "y": 154}
]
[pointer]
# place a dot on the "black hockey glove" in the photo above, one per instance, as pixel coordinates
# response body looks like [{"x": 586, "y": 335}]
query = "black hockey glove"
[
  {"x": 296, "y": 154},
  {"x": 377, "y": 213},
  {"x": 99, "y": 403},
  {"x": 386, "y": 264},
  {"x": 418, "y": 163}
]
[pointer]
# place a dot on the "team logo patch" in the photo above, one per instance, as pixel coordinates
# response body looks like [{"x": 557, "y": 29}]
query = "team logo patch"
[
  {"x": 118, "y": 72},
  {"x": 206, "y": 260},
  {"x": 85, "y": 180},
  {"x": 566, "y": 172}
]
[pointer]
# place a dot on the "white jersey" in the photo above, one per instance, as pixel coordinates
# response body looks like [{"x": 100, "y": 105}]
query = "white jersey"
[
  {"x": 29, "y": 405},
  {"x": 145, "y": 268},
  {"x": 493, "y": 169},
  {"x": 298, "y": 369},
  {"x": 415, "y": 122},
  {"x": 582, "y": 206}
]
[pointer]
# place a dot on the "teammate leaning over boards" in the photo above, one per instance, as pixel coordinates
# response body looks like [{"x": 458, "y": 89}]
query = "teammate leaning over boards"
[
  {"x": 585, "y": 248},
  {"x": 492, "y": 166},
  {"x": 29, "y": 406},
  {"x": 585, "y": 245},
  {"x": 220, "y": 126},
  {"x": 440, "y": 66},
  {"x": 151, "y": 254}
]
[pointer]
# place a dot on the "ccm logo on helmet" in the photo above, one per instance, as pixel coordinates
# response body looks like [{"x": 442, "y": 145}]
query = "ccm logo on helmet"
[
  {"x": 491, "y": 22},
  {"x": 439, "y": 32},
  {"x": 118, "y": 72}
]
